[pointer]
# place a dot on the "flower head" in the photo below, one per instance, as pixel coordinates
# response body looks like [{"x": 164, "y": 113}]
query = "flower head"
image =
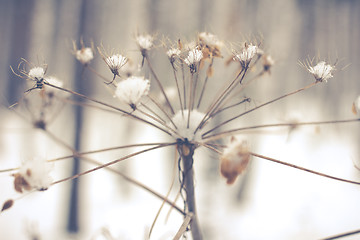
[
  {"x": 210, "y": 44},
  {"x": 173, "y": 53},
  {"x": 246, "y": 55},
  {"x": 180, "y": 120},
  {"x": 321, "y": 71},
  {"x": 33, "y": 174},
  {"x": 132, "y": 89},
  {"x": 84, "y": 55},
  {"x": 194, "y": 57},
  {"x": 145, "y": 42},
  {"x": 234, "y": 159},
  {"x": 115, "y": 62},
  {"x": 37, "y": 73}
]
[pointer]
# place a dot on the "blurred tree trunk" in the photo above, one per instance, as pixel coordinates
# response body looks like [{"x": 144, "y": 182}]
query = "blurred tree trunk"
[
  {"x": 82, "y": 85},
  {"x": 22, "y": 13}
]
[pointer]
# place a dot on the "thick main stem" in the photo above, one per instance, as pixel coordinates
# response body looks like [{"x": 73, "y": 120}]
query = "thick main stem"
[{"x": 187, "y": 151}]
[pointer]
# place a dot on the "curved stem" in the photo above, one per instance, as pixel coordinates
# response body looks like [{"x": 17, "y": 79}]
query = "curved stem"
[{"x": 304, "y": 169}]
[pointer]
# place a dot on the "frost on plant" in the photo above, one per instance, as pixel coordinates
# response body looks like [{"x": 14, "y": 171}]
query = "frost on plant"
[
  {"x": 246, "y": 55},
  {"x": 115, "y": 62},
  {"x": 132, "y": 89},
  {"x": 84, "y": 54},
  {"x": 186, "y": 129},
  {"x": 234, "y": 159},
  {"x": 321, "y": 71},
  {"x": 145, "y": 41},
  {"x": 194, "y": 57},
  {"x": 37, "y": 73},
  {"x": 33, "y": 174}
]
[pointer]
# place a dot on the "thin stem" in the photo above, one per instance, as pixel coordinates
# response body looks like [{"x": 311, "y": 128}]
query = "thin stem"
[
  {"x": 304, "y": 169},
  {"x": 183, "y": 226},
  {"x": 9, "y": 170},
  {"x": 194, "y": 88},
  {"x": 225, "y": 97},
  {"x": 156, "y": 119},
  {"x": 88, "y": 105},
  {"x": 80, "y": 154},
  {"x": 260, "y": 106},
  {"x": 162, "y": 110},
  {"x": 139, "y": 184},
  {"x": 233, "y": 131},
  {"x": 177, "y": 87},
  {"x": 99, "y": 75},
  {"x": 133, "y": 181},
  {"x": 184, "y": 83},
  {"x": 342, "y": 235},
  {"x": 109, "y": 106},
  {"x": 190, "y": 99},
  {"x": 210, "y": 146},
  {"x": 159, "y": 83},
  {"x": 159, "y": 119},
  {"x": 231, "y": 89},
  {"x": 215, "y": 104},
  {"x": 228, "y": 107},
  {"x": 205, "y": 83},
  {"x": 234, "y": 94},
  {"x": 166, "y": 197},
  {"x": 111, "y": 163}
]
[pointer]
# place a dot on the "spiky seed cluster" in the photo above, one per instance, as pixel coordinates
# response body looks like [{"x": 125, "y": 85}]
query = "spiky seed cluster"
[
  {"x": 194, "y": 57},
  {"x": 115, "y": 62},
  {"x": 132, "y": 89},
  {"x": 33, "y": 174},
  {"x": 246, "y": 55},
  {"x": 36, "y": 73},
  {"x": 84, "y": 55},
  {"x": 234, "y": 159},
  {"x": 321, "y": 71},
  {"x": 173, "y": 53},
  {"x": 181, "y": 121}
]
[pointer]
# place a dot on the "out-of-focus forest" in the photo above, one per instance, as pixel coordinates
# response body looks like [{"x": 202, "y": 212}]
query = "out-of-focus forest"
[{"x": 269, "y": 202}]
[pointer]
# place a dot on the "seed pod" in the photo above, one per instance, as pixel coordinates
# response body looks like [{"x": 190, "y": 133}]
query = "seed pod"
[
  {"x": 234, "y": 160},
  {"x": 8, "y": 204}
]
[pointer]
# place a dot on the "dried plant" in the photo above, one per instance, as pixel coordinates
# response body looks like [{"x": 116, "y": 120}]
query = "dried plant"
[{"x": 196, "y": 116}]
